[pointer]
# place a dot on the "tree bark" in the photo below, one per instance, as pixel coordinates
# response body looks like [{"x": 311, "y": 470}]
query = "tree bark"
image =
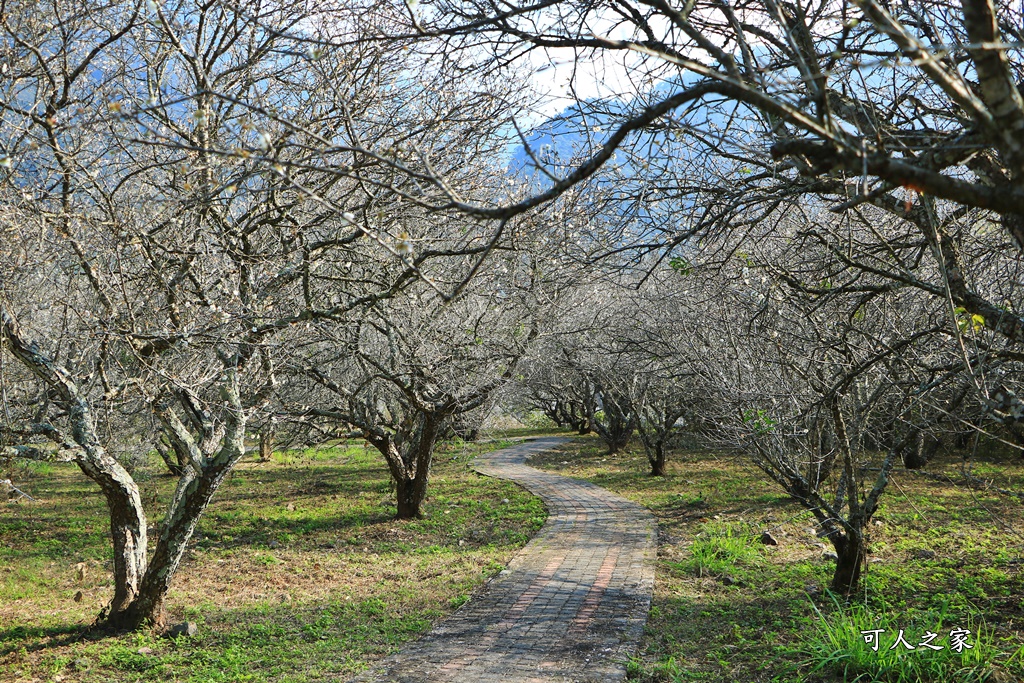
[
  {"x": 657, "y": 460},
  {"x": 127, "y": 527},
  {"x": 851, "y": 552},
  {"x": 410, "y": 471},
  {"x": 266, "y": 443}
]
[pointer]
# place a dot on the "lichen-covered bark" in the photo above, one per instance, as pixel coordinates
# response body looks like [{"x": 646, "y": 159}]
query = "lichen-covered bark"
[{"x": 127, "y": 516}]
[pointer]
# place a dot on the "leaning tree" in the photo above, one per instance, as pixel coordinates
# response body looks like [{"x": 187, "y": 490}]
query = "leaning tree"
[{"x": 165, "y": 231}]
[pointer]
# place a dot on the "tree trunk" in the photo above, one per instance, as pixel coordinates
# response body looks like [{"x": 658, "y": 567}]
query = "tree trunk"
[
  {"x": 657, "y": 460},
  {"x": 410, "y": 471},
  {"x": 410, "y": 499},
  {"x": 851, "y": 553},
  {"x": 617, "y": 438},
  {"x": 127, "y": 516},
  {"x": 127, "y": 531},
  {"x": 191, "y": 499},
  {"x": 266, "y": 442}
]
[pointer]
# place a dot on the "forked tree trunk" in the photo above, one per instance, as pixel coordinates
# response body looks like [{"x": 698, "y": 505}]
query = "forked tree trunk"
[
  {"x": 194, "y": 494},
  {"x": 410, "y": 471}
]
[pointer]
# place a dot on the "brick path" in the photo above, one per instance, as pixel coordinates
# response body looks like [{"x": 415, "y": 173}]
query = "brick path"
[{"x": 571, "y": 605}]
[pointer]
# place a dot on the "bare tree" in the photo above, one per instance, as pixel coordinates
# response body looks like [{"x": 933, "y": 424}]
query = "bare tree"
[
  {"x": 407, "y": 368},
  {"x": 166, "y": 237}
]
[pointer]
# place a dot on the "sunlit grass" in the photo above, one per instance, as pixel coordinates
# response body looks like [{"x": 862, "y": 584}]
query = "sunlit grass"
[
  {"x": 727, "y": 608},
  {"x": 297, "y": 572}
]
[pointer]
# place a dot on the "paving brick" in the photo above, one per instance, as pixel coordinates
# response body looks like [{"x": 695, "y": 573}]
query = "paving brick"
[{"x": 571, "y": 605}]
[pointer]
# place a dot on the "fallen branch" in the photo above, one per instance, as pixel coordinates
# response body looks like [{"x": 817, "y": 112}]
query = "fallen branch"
[{"x": 11, "y": 488}]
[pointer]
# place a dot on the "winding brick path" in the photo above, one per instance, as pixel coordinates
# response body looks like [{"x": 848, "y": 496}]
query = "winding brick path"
[{"x": 571, "y": 605}]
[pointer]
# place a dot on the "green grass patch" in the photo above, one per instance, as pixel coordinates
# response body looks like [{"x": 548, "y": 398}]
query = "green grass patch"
[
  {"x": 298, "y": 572},
  {"x": 722, "y": 548},
  {"x": 727, "y": 608},
  {"x": 861, "y": 643}
]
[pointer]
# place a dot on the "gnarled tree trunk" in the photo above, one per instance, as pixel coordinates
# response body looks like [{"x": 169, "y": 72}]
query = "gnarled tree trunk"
[
  {"x": 657, "y": 460},
  {"x": 191, "y": 499},
  {"x": 196, "y": 487},
  {"x": 410, "y": 470},
  {"x": 127, "y": 520}
]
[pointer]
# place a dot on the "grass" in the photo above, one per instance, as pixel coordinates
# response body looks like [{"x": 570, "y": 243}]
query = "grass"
[
  {"x": 721, "y": 549},
  {"x": 727, "y": 608},
  {"x": 839, "y": 644},
  {"x": 297, "y": 571}
]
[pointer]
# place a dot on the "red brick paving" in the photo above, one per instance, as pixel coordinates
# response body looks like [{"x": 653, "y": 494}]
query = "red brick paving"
[{"x": 570, "y": 607}]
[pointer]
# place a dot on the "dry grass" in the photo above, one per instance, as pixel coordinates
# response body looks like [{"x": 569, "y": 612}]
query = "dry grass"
[{"x": 297, "y": 571}]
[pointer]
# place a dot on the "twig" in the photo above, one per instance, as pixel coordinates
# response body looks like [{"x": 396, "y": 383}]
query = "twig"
[{"x": 11, "y": 487}]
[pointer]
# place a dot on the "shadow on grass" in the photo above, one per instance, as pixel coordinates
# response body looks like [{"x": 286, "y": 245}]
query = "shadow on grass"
[
  {"x": 298, "y": 641},
  {"x": 35, "y": 638}
]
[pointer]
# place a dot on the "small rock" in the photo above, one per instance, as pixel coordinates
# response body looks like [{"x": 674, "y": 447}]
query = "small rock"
[
  {"x": 505, "y": 501},
  {"x": 291, "y": 507},
  {"x": 716, "y": 516},
  {"x": 145, "y": 650},
  {"x": 878, "y": 522},
  {"x": 188, "y": 629},
  {"x": 830, "y": 556},
  {"x": 81, "y": 663},
  {"x": 924, "y": 554},
  {"x": 274, "y": 545},
  {"x": 78, "y": 596},
  {"x": 768, "y": 539},
  {"x": 461, "y": 543}
]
